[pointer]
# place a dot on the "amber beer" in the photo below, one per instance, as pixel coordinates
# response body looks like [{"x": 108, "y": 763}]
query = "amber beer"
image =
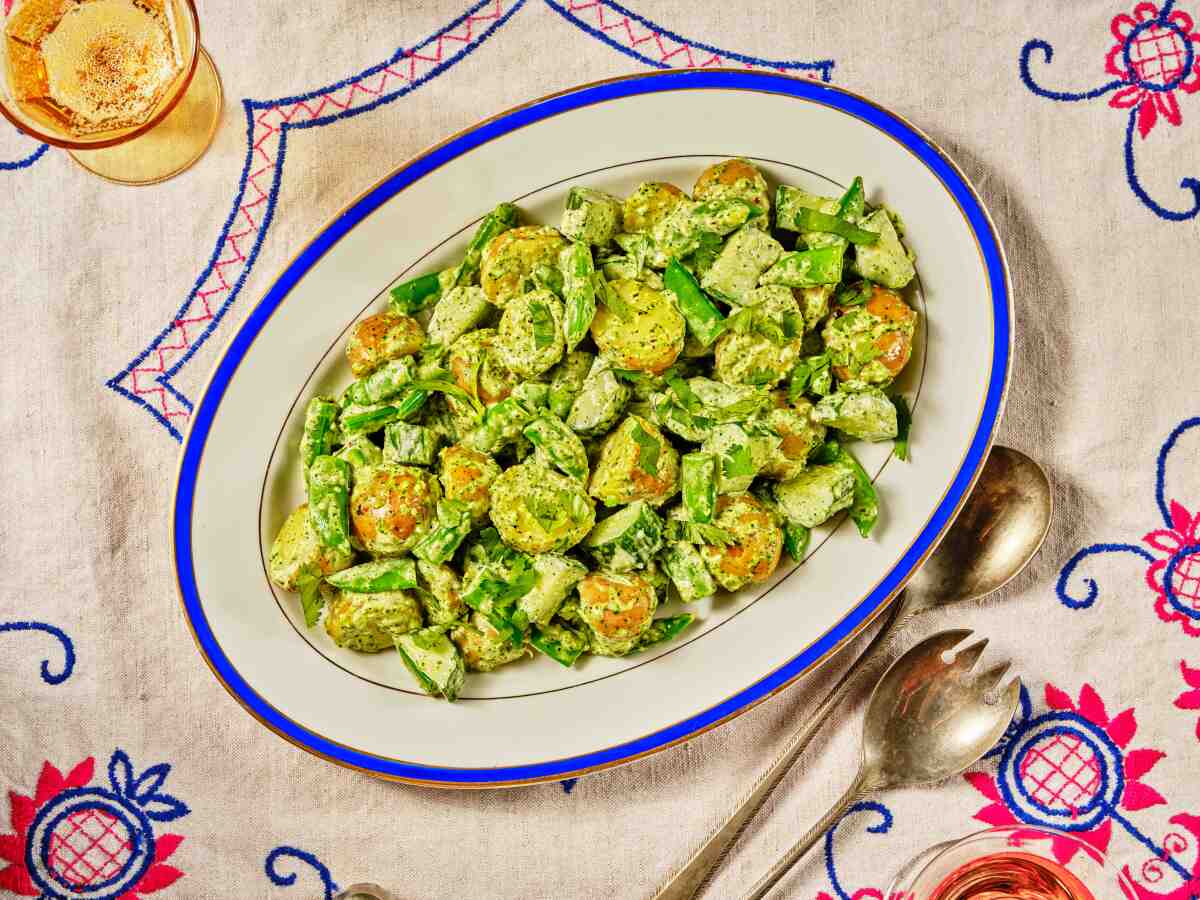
[{"x": 86, "y": 67}]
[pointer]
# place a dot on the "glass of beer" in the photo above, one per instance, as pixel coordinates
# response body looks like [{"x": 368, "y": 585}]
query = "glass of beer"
[{"x": 123, "y": 85}]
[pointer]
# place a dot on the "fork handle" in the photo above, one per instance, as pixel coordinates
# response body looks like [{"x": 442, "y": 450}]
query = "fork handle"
[
  {"x": 853, "y": 794},
  {"x": 688, "y": 881}
]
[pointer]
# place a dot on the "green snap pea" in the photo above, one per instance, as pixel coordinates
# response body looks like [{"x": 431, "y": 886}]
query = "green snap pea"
[
  {"x": 373, "y": 577},
  {"x": 795, "y": 540},
  {"x": 567, "y": 381},
  {"x": 806, "y": 268},
  {"x": 320, "y": 425},
  {"x": 698, "y": 476},
  {"x": 453, "y": 525},
  {"x": 498, "y": 221},
  {"x": 386, "y": 382},
  {"x": 662, "y": 630},
  {"x": 560, "y": 445},
  {"x": 815, "y": 220},
  {"x": 722, "y": 216},
  {"x": 360, "y": 453},
  {"x": 414, "y": 295},
  {"x": 365, "y": 420},
  {"x": 329, "y": 502},
  {"x": 703, "y": 318},
  {"x": 562, "y": 644},
  {"x": 864, "y": 511},
  {"x": 408, "y": 444},
  {"x": 579, "y": 291}
]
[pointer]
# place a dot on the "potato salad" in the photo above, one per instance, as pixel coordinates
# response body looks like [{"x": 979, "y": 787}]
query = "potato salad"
[{"x": 574, "y": 426}]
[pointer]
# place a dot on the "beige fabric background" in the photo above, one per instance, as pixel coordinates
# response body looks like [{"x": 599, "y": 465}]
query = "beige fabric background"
[{"x": 1105, "y": 367}]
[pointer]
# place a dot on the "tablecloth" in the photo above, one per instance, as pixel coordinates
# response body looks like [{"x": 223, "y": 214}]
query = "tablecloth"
[{"x": 1080, "y": 125}]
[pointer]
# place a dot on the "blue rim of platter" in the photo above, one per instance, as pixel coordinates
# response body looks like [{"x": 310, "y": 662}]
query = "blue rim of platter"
[{"x": 827, "y": 95}]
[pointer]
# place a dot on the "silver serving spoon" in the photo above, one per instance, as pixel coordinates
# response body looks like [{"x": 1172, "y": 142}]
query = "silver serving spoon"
[
  {"x": 996, "y": 534},
  {"x": 927, "y": 720}
]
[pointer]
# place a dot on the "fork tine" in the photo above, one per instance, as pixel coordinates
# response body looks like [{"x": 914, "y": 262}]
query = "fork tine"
[
  {"x": 965, "y": 659},
  {"x": 988, "y": 679},
  {"x": 1012, "y": 693}
]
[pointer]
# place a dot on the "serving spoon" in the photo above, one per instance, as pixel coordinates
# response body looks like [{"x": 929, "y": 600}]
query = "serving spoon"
[
  {"x": 996, "y": 534},
  {"x": 929, "y": 719}
]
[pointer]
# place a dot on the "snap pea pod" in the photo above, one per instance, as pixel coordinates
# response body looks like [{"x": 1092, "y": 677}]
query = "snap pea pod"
[
  {"x": 815, "y": 220},
  {"x": 703, "y": 318},
  {"x": 562, "y": 644},
  {"x": 795, "y": 540},
  {"x": 854, "y": 202},
  {"x": 453, "y": 525},
  {"x": 499, "y": 220},
  {"x": 560, "y": 445},
  {"x": 567, "y": 381},
  {"x": 864, "y": 511},
  {"x": 722, "y": 216},
  {"x": 698, "y": 477},
  {"x": 579, "y": 291},
  {"x": 329, "y": 502},
  {"x": 687, "y": 571},
  {"x": 433, "y": 661},
  {"x": 501, "y": 423},
  {"x": 806, "y": 268},
  {"x": 320, "y": 425},
  {"x": 373, "y": 577},
  {"x": 903, "y": 425},
  {"x": 414, "y": 295},
  {"x": 360, "y": 453},
  {"x": 663, "y": 630},
  {"x": 386, "y": 382}
]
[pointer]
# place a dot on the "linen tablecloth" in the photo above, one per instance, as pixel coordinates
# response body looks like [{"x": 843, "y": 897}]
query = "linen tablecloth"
[{"x": 1080, "y": 125}]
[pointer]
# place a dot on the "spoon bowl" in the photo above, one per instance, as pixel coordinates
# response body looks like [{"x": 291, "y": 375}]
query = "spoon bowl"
[{"x": 997, "y": 532}]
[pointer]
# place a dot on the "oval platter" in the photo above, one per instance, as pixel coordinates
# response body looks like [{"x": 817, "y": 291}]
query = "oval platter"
[{"x": 536, "y": 721}]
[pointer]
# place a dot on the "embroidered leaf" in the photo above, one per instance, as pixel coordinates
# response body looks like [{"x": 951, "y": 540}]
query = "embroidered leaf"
[
  {"x": 164, "y": 808},
  {"x": 1147, "y": 115},
  {"x": 985, "y": 784},
  {"x": 648, "y": 450},
  {"x": 1181, "y": 519},
  {"x": 20, "y": 812},
  {"x": 120, "y": 772},
  {"x": 1190, "y": 676},
  {"x": 1122, "y": 728},
  {"x": 166, "y": 845},
  {"x": 1139, "y": 762},
  {"x": 50, "y": 782},
  {"x": 1140, "y": 796},
  {"x": 14, "y": 878},
  {"x": 150, "y": 781},
  {"x": 82, "y": 773},
  {"x": 1056, "y": 699},
  {"x": 995, "y": 814},
  {"x": 1091, "y": 707},
  {"x": 158, "y": 877},
  {"x": 1161, "y": 539},
  {"x": 12, "y": 848}
]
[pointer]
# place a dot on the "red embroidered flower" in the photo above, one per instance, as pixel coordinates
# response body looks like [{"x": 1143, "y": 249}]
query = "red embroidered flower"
[
  {"x": 1136, "y": 795},
  {"x": 1185, "y": 572},
  {"x": 1151, "y": 53},
  {"x": 23, "y": 810},
  {"x": 1190, "y": 699}
]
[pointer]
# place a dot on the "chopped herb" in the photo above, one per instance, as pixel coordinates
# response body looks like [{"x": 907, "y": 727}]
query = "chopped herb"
[
  {"x": 854, "y": 295},
  {"x": 685, "y": 394},
  {"x": 738, "y": 462},
  {"x": 543, "y": 325},
  {"x": 699, "y": 533},
  {"x": 450, "y": 389},
  {"x": 815, "y": 220},
  {"x": 311, "y": 600},
  {"x": 804, "y": 373},
  {"x": 648, "y": 450},
  {"x": 865, "y": 510}
]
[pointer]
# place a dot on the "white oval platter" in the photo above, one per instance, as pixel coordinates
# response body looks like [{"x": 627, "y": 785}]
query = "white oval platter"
[{"x": 535, "y": 721}]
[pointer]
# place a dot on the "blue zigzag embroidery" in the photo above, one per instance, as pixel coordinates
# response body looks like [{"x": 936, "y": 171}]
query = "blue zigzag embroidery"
[
  {"x": 286, "y": 879},
  {"x": 1161, "y": 21},
  {"x": 48, "y": 676},
  {"x": 122, "y": 384}
]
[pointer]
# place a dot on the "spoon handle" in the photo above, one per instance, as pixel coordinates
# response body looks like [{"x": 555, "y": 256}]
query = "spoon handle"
[
  {"x": 853, "y": 794},
  {"x": 688, "y": 881}
]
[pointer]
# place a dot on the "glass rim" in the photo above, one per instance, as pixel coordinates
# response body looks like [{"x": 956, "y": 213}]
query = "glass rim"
[
  {"x": 1093, "y": 853},
  {"x": 172, "y": 102}
]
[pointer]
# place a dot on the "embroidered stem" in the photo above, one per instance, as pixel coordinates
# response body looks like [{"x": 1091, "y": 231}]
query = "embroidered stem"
[
  {"x": 884, "y": 826},
  {"x": 1092, "y": 590},
  {"x": 1160, "y": 496},
  {"x": 289, "y": 878},
  {"x": 1187, "y": 184},
  {"x": 1066, "y": 96},
  {"x": 1159, "y": 852},
  {"x": 68, "y": 648}
]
